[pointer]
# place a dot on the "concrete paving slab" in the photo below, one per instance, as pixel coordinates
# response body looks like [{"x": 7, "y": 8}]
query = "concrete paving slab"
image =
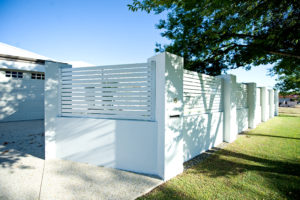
[
  {"x": 71, "y": 180},
  {"x": 22, "y": 178},
  {"x": 21, "y": 163},
  {"x": 25, "y": 175}
]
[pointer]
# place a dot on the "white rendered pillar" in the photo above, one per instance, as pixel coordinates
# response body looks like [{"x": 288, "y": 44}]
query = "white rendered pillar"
[
  {"x": 276, "y": 102},
  {"x": 264, "y": 104},
  {"x": 271, "y": 103},
  {"x": 251, "y": 94},
  {"x": 52, "y": 104},
  {"x": 229, "y": 100},
  {"x": 169, "y": 111}
]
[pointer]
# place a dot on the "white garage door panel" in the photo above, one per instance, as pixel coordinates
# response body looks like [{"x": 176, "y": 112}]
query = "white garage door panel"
[{"x": 21, "y": 99}]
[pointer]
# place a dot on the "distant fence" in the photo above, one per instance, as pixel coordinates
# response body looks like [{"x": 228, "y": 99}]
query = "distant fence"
[{"x": 114, "y": 92}]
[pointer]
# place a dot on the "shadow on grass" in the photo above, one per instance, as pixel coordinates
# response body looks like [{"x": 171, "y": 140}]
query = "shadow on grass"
[
  {"x": 216, "y": 166},
  {"x": 288, "y": 115},
  {"x": 283, "y": 177},
  {"x": 265, "y": 135}
]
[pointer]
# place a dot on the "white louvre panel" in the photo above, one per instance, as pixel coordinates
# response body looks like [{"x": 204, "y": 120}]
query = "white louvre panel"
[
  {"x": 241, "y": 96},
  {"x": 201, "y": 93},
  {"x": 112, "y": 92}
]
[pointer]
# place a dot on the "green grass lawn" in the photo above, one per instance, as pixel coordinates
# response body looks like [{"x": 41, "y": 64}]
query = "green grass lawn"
[{"x": 263, "y": 163}]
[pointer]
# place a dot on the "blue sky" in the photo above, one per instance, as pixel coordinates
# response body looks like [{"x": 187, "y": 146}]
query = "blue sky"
[{"x": 98, "y": 32}]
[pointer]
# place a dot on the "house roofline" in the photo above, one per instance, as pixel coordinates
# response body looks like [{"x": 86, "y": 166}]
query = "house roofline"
[{"x": 25, "y": 59}]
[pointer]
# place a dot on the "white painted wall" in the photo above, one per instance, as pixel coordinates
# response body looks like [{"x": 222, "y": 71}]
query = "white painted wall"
[
  {"x": 21, "y": 98},
  {"x": 123, "y": 144},
  {"x": 242, "y": 119},
  {"x": 201, "y": 132}
]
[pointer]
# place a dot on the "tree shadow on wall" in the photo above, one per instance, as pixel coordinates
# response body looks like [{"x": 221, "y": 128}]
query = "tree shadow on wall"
[{"x": 203, "y": 120}]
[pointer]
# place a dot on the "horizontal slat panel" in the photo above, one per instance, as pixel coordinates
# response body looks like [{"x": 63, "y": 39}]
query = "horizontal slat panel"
[
  {"x": 99, "y": 103},
  {"x": 105, "y": 112},
  {"x": 145, "y": 108},
  {"x": 190, "y": 112},
  {"x": 116, "y": 92},
  {"x": 202, "y": 77},
  {"x": 113, "y": 93},
  {"x": 192, "y": 79},
  {"x": 197, "y": 95},
  {"x": 101, "y": 85},
  {"x": 116, "y": 79},
  {"x": 199, "y": 82},
  {"x": 93, "y": 88},
  {"x": 197, "y": 73},
  {"x": 115, "y": 89},
  {"x": 109, "y": 98},
  {"x": 195, "y": 102},
  {"x": 98, "y": 77},
  {"x": 188, "y": 90},
  {"x": 139, "y": 117},
  {"x": 117, "y": 67},
  {"x": 201, "y": 93},
  {"x": 100, "y": 72}
]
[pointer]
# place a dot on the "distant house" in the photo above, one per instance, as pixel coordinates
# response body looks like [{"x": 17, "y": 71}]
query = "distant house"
[
  {"x": 288, "y": 101},
  {"x": 22, "y": 83}
]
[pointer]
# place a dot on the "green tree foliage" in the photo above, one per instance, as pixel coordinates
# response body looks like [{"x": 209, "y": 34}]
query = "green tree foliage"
[
  {"x": 288, "y": 77},
  {"x": 217, "y": 35}
]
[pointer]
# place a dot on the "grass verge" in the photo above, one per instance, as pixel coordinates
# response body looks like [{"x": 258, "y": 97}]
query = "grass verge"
[{"x": 263, "y": 163}]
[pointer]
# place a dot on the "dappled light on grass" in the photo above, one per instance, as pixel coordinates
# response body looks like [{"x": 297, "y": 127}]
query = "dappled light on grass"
[{"x": 263, "y": 163}]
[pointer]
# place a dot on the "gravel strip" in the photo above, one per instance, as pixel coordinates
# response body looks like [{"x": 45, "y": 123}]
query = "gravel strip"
[{"x": 196, "y": 160}]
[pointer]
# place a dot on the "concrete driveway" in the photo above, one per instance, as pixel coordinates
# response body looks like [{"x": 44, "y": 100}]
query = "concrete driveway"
[{"x": 24, "y": 174}]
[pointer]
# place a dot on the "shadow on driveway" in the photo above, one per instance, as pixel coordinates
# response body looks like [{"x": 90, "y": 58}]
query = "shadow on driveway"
[{"x": 23, "y": 138}]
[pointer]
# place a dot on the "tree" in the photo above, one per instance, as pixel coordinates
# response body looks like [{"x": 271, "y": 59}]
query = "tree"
[
  {"x": 288, "y": 77},
  {"x": 217, "y": 35}
]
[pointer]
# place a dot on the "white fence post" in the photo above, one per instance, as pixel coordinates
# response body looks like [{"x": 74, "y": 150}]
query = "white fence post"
[
  {"x": 52, "y": 104},
  {"x": 271, "y": 103},
  {"x": 251, "y": 90},
  {"x": 169, "y": 110},
  {"x": 264, "y": 104},
  {"x": 229, "y": 92},
  {"x": 276, "y": 102}
]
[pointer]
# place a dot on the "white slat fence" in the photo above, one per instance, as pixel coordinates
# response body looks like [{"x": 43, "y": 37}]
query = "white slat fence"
[
  {"x": 241, "y": 96},
  {"x": 113, "y": 92},
  {"x": 201, "y": 93}
]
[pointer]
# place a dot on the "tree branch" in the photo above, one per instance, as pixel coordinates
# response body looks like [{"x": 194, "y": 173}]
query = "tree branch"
[{"x": 284, "y": 54}]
